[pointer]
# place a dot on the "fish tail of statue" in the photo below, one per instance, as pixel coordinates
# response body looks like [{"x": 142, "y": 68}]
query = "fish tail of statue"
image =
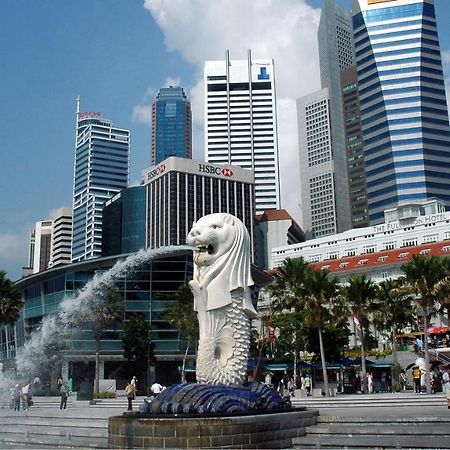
[{"x": 223, "y": 351}]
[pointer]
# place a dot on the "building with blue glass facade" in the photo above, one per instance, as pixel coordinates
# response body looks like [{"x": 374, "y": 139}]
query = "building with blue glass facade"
[
  {"x": 404, "y": 112},
  {"x": 148, "y": 290},
  {"x": 124, "y": 222},
  {"x": 101, "y": 170},
  {"x": 171, "y": 125}
]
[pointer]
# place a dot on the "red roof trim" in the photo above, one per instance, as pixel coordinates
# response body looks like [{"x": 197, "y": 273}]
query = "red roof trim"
[{"x": 387, "y": 257}]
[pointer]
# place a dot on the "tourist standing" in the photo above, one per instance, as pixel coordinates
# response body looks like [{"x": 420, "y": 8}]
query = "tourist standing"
[
  {"x": 26, "y": 396},
  {"x": 17, "y": 395},
  {"x": 64, "y": 394},
  {"x": 130, "y": 392},
  {"x": 307, "y": 382},
  {"x": 370, "y": 382},
  {"x": 417, "y": 374},
  {"x": 403, "y": 380}
]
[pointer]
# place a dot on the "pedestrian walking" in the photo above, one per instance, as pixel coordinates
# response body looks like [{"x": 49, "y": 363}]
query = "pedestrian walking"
[
  {"x": 130, "y": 392},
  {"x": 26, "y": 396}
]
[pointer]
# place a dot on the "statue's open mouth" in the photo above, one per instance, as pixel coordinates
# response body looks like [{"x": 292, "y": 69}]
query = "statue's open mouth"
[{"x": 206, "y": 249}]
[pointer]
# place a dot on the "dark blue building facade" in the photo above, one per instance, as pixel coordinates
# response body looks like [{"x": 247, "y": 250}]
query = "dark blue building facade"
[
  {"x": 123, "y": 222},
  {"x": 171, "y": 125}
]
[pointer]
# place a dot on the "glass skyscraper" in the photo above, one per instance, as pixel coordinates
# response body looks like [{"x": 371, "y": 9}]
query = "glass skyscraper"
[
  {"x": 171, "y": 125},
  {"x": 101, "y": 170},
  {"x": 403, "y": 104}
]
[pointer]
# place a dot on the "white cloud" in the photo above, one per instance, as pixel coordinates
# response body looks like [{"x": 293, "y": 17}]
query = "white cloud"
[
  {"x": 13, "y": 252},
  {"x": 172, "y": 81},
  {"x": 284, "y": 30},
  {"x": 142, "y": 114}
]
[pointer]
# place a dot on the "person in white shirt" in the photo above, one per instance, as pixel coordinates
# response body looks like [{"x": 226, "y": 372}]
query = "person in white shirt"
[{"x": 156, "y": 388}]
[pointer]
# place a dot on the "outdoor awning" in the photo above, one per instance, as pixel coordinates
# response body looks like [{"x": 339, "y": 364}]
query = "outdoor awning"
[{"x": 380, "y": 364}]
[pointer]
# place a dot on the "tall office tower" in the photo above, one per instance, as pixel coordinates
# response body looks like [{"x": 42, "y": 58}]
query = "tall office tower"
[
  {"x": 241, "y": 122},
  {"x": 317, "y": 175},
  {"x": 42, "y": 244},
  {"x": 354, "y": 146},
  {"x": 403, "y": 105},
  {"x": 101, "y": 170},
  {"x": 336, "y": 53},
  {"x": 180, "y": 191},
  {"x": 61, "y": 243},
  {"x": 171, "y": 125}
]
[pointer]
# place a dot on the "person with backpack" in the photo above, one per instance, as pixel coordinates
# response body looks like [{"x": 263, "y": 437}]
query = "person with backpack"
[{"x": 130, "y": 392}]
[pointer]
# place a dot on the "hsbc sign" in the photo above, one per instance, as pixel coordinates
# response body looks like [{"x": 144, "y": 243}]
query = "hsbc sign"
[
  {"x": 157, "y": 171},
  {"x": 221, "y": 171}
]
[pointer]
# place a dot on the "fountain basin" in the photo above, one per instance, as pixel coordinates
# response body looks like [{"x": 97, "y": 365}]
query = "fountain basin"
[{"x": 266, "y": 429}]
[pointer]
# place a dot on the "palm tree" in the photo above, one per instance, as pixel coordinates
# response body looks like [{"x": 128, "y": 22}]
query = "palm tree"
[
  {"x": 392, "y": 311},
  {"x": 421, "y": 275},
  {"x": 287, "y": 292},
  {"x": 10, "y": 300},
  {"x": 442, "y": 288},
  {"x": 184, "y": 318},
  {"x": 287, "y": 284},
  {"x": 319, "y": 296},
  {"x": 359, "y": 293}
]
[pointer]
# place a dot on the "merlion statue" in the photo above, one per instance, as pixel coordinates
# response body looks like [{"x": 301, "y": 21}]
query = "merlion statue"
[
  {"x": 222, "y": 299},
  {"x": 221, "y": 288}
]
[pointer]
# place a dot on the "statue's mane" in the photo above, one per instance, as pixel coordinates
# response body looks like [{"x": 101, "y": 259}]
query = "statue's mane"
[{"x": 230, "y": 271}]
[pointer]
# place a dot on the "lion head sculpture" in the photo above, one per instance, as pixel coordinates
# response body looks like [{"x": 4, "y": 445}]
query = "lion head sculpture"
[{"x": 222, "y": 258}]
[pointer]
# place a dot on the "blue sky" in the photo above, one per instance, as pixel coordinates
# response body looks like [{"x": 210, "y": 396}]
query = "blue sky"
[{"x": 116, "y": 54}]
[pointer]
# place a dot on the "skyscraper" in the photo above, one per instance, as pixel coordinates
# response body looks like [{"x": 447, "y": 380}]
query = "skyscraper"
[
  {"x": 317, "y": 173},
  {"x": 171, "y": 125},
  {"x": 61, "y": 237},
  {"x": 321, "y": 130},
  {"x": 101, "y": 170},
  {"x": 403, "y": 104},
  {"x": 241, "y": 122},
  {"x": 41, "y": 241},
  {"x": 357, "y": 180}
]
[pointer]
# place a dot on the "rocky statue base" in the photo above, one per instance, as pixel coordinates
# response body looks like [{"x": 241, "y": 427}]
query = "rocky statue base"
[{"x": 195, "y": 398}]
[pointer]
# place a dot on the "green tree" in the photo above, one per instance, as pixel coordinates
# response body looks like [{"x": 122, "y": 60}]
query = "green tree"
[
  {"x": 286, "y": 288},
  {"x": 105, "y": 312},
  {"x": 421, "y": 276},
  {"x": 392, "y": 311},
  {"x": 359, "y": 294},
  {"x": 10, "y": 300},
  {"x": 319, "y": 303},
  {"x": 286, "y": 291},
  {"x": 137, "y": 343},
  {"x": 182, "y": 316},
  {"x": 335, "y": 340},
  {"x": 442, "y": 288}
]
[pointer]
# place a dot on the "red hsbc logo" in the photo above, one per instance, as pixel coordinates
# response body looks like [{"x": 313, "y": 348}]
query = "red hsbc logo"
[
  {"x": 158, "y": 171},
  {"x": 227, "y": 172}
]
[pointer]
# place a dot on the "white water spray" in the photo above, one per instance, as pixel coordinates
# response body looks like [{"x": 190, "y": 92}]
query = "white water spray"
[{"x": 73, "y": 311}]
